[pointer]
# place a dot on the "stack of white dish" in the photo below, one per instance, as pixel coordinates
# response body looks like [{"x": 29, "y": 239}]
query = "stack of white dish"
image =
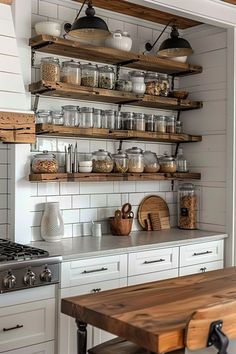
[{"x": 85, "y": 166}]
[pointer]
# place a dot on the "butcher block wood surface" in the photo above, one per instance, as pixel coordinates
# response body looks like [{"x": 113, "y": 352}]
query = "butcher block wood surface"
[
  {"x": 17, "y": 127},
  {"x": 154, "y": 315}
]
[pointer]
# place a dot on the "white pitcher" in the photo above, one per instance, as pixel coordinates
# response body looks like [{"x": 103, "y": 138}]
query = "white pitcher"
[
  {"x": 120, "y": 41},
  {"x": 52, "y": 226}
]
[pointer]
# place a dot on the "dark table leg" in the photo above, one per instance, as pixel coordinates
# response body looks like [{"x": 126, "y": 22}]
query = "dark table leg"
[{"x": 81, "y": 337}]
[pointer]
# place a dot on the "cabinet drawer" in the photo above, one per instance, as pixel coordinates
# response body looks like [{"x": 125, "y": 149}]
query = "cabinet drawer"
[
  {"x": 92, "y": 270},
  {"x": 201, "y": 268},
  {"x": 27, "y": 324},
  {"x": 42, "y": 348},
  {"x": 145, "y": 278},
  {"x": 201, "y": 253},
  {"x": 153, "y": 261}
]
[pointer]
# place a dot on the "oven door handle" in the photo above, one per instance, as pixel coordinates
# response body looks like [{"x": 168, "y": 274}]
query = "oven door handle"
[{"x": 11, "y": 328}]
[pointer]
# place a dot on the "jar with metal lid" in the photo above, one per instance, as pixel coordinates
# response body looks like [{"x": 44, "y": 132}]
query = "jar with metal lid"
[
  {"x": 106, "y": 78},
  {"x": 150, "y": 122},
  {"x": 71, "y": 115},
  {"x": 108, "y": 119},
  {"x": 120, "y": 162},
  {"x": 136, "y": 160},
  {"x": 89, "y": 75},
  {"x": 57, "y": 118},
  {"x": 86, "y": 117},
  {"x": 128, "y": 121},
  {"x": 124, "y": 85},
  {"x": 140, "y": 123},
  {"x": 118, "y": 121},
  {"x": 170, "y": 125},
  {"x": 97, "y": 118},
  {"x": 160, "y": 124},
  {"x": 178, "y": 127},
  {"x": 71, "y": 72},
  {"x": 138, "y": 84},
  {"x": 188, "y": 201},
  {"x": 152, "y": 83},
  {"x": 164, "y": 85},
  {"x": 50, "y": 69},
  {"x": 151, "y": 164},
  {"x": 102, "y": 161},
  {"x": 167, "y": 164},
  {"x": 44, "y": 163},
  {"x": 43, "y": 117}
]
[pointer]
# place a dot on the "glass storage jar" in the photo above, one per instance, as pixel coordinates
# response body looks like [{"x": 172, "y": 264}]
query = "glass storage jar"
[
  {"x": 167, "y": 164},
  {"x": 108, "y": 119},
  {"x": 170, "y": 125},
  {"x": 50, "y": 69},
  {"x": 71, "y": 72},
  {"x": 124, "y": 85},
  {"x": 136, "y": 160},
  {"x": 128, "y": 121},
  {"x": 89, "y": 75},
  {"x": 43, "y": 116},
  {"x": 164, "y": 85},
  {"x": 102, "y": 161},
  {"x": 150, "y": 122},
  {"x": 151, "y": 164},
  {"x": 57, "y": 118},
  {"x": 138, "y": 84},
  {"x": 187, "y": 206},
  {"x": 160, "y": 124},
  {"x": 44, "y": 163},
  {"x": 152, "y": 83},
  {"x": 86, "y": 117},
  {"x": 97, "y": 118},
  {"x": 120, "y": 162},
  {"x": 118, "y": 121},
  {"x": 140, "y": 123},
  {"x": 179, "y": 127},
  {"x": 106, "y": 78},
  {"x": 71, "y": 115}
]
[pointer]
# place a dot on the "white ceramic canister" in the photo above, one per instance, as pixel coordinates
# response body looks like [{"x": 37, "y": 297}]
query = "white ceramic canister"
[
  {"x": 119, "y": 40},
  {"x": 52, "y": 226}
]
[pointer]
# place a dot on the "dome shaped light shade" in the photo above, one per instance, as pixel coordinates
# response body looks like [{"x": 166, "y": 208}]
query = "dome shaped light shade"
[
  {"x": 89, "y": 26},
  {"x": 175, "y": 46}
]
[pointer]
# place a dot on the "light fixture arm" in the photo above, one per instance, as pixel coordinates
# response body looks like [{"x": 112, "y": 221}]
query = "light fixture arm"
[
  {"x": 67, "y": 26},
  {"x": 149, "y": 46}
]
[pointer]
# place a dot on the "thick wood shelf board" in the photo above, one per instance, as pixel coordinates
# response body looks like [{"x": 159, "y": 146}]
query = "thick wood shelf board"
[
  {"x": 59, "y": 89},
  {"x": 95, "y": 177},
  {"x": 74, "y": 49},
  {"x": 17, "y": 127},
  {"x": 143, "y": 12},
  {"x": 7, "y": 2},
  {"x": 60, "y": 130}
]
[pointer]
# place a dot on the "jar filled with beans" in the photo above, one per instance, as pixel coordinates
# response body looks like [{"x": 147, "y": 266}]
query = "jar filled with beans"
[
  {"x": 152, "y": 82},
  {"x": 89, "y": 75},
  {"x": 171, "y": 125},
  {"x": 44, "y": 163},
  {"x": 71, "y": 72},
  {"x": 50, "y": 69},
  {"x": 187, "y": 206},
  {"x": 106, "y": 78}
]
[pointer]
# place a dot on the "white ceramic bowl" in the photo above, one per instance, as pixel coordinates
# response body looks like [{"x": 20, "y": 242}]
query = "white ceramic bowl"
[
  {"x": 85, "y": 169},
  {"x": 85, "y": 163},
  {"x": 179, "y": 59},
  {"x": 48, "y": 27}
]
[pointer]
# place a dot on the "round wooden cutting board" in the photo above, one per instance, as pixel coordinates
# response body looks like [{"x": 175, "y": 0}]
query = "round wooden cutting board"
[{"x": 152, "y": 204}]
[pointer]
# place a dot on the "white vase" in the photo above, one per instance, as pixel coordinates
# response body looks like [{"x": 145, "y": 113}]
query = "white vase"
[{"x": 52, "y": 226}]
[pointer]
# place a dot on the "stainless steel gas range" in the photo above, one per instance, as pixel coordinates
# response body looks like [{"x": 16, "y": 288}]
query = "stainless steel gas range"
[{"x": 24, "y": 267}]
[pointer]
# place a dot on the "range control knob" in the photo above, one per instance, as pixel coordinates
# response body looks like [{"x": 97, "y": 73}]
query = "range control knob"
[
  {"x": 9, "y": 281},
  {"x": 29, "y": 278},
  {"x": 46, "y": 275}
]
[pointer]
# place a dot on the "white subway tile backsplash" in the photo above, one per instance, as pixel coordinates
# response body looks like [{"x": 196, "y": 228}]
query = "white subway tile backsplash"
[
  {"x": 165, "y": 186},
  {"x": 124, "y": 198},
  {"x": 70, "y": 216},
  {"x": 77, "y": 230},
  {"x": 69, "y": 188},
  {"x": 66, "y": 14},
  {"x": 124, "y": 187},
  {"x": 37, "y": 203},
  {"x": 135, "y": 198},
  {"x": 114, "y": 25},
  {"x": 88, "y": 215},
  {"x": 147, "y": 186},
  {"x": 81, "y": 201},
  {"x": 35, "y": 218},
  {"x": 104, "y": 213},
  {"x": 96, "y": 187},
  {"x": 113, "y": 199},
  {"x": 47, "y": 9},
  {"x": 98, "y": 144},
  {"x": 68, "y": 231},
  {"x": 48, "y": 188},
  {"x": 64, "y": 201},
  {"x": 3, "y": 185},
  {"x": 34, "y": 4},
  {"x": 33, "y": 189},
  {"x": 37, "y": 18},
  {"x": 3, "y": 201},
  {"x": 3, "y": 216},
  {"x": 36, "y": 233},
  {"x": 98, "y": 200}
]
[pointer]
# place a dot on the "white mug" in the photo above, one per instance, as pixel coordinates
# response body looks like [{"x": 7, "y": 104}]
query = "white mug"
[{"x": 96, "y": 229}]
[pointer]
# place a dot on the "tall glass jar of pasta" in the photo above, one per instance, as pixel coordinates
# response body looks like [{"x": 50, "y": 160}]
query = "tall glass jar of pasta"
[{"x": 188, "y": 206}]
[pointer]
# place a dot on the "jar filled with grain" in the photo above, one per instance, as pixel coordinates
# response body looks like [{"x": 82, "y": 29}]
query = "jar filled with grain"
[
  {"x": 152, "y": 82},
  {"x": 89, "y": 75},
  {"x": 102, "y": 161},
  {"x": 128, "y": 121},
  {"x": 167, "y": 164},
  {"x": 187, "y": 206},
  {"x": 120, "y": 162},
  {"x": 160, "y": 124},
  {"x": 150, "y": 122},
  {"x": 136, "y": 160},
  {"x": 164, "y": 85},
  {"x": 106, "y": 78},
  {"x": 50, "y": 69},
  {"x": 44, "y": 163},
  {"x": 171, "y": 125},
  {"x": 151, "y": 164},
  {"x": 71, "y": 72},
  {"x": 140, "y": 123}
]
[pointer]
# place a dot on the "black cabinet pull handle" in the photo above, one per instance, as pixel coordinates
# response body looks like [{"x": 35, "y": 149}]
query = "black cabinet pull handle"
[
  {"x": 156, "y": 261},
  {"x": 96, "y": 290},
  {"x": 94, "y": 270},
  {"x": 10, "y": 329},
  {"x": 202, "y": 253},
  {"x": 203, "y": 269}
]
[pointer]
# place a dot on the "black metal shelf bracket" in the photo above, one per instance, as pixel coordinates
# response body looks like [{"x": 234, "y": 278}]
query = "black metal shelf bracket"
[{"x": 217, "y": 337}]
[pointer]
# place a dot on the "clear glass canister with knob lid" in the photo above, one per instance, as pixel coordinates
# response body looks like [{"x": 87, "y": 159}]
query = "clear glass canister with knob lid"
[
  {"x": 43, "y": 117},
  {"x": 86, "y": 117},
  {"x": 120, "y": 162},
  {"x": 152, "y": 83},
  {"x": 188, "y": 201},
  {"x": 167, "y": 164},
  {"x": 71, "y": 72},
  {"x": 50, "y": 69},
  {"x": 89, "y": 75},
  {"x": 102, "y": 161},
  {"x": 164, "y": 85},
  {"x": 44, "y": 163},
  {"x": 106, "y": 78},
  {"x": 151, "y": 164},
  {"x": 71, "y": 115},
  {"x": 136, "y": 160}
]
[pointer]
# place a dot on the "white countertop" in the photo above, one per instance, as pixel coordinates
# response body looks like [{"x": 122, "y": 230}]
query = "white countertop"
[{"x": 89, "y": 246}]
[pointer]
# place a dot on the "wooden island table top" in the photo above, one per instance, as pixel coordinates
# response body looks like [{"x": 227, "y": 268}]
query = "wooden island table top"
[{"x": 153, "y": 315}]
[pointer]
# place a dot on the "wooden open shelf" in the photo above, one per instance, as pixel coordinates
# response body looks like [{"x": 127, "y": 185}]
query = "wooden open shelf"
[
  {"x": 98, "y": 177},
  {"x": 16, "y": 127},
  {"x": 74, "y": 49},
  {"x": 59, "y": 89},
  {"x": 61, "y": 130}
]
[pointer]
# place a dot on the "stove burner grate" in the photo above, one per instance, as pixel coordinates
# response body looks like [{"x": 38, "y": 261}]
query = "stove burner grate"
[{"x": 11, "y": 251}]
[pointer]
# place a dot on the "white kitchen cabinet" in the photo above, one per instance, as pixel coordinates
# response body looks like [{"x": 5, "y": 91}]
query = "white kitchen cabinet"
[
  {"x": 144, "y": 278},
  {"x": 42, "y": 348},
  {"x": 201, "y": 268}
]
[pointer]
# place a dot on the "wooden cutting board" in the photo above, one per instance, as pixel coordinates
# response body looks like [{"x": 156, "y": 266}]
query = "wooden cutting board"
[{"x": 152, "y": 204}]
